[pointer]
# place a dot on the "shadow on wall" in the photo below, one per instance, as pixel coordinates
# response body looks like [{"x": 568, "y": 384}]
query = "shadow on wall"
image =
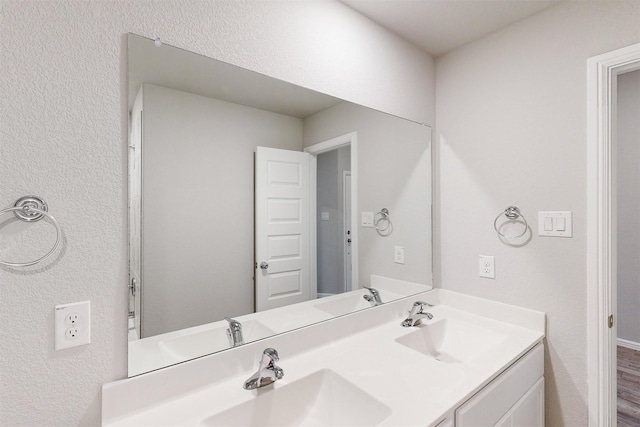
[{"x": 553, "y": 374}]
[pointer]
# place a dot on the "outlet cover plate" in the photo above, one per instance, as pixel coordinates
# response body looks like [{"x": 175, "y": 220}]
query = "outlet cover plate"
[
  {"x": 72, "y": 324},
  {"x": 487, "y": 266}
]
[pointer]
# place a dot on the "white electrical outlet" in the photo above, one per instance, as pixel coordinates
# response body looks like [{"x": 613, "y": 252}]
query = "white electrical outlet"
[
  {"x": 72, "y": 324},
  {"x": 72, "y": 318},
  {"x": 487, "y": 267},
  {"x": 72, "y": 333}
]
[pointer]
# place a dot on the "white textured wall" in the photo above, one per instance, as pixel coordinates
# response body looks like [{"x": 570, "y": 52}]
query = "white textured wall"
[
  {"x": 511, "y": 129},
  {"x": 628, "y": 193},
  {"x": 197, "y": 251},
  {"x": 63, "y": 133},
  {"x": 394, "y": 172}
]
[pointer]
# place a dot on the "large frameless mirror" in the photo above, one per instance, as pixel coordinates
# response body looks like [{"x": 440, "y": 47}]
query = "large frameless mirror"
[{"x": 257, "y": 206}]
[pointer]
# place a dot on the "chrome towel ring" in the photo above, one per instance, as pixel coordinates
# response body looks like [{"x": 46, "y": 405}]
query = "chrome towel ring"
[
  {"x": 512, "y": 213},
  {"x": 384, "y": 218},
  {"x": 32, "y": 209}
]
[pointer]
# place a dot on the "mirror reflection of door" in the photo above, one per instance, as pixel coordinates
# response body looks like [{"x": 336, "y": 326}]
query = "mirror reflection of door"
[
  {"x": 334, "y": 221},
  {"x": 283, "y": 228},
  {"x": 283, "y": 238}
]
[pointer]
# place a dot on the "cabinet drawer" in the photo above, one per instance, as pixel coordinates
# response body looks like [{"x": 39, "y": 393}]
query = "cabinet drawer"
[{"x": 491, "y": 403}]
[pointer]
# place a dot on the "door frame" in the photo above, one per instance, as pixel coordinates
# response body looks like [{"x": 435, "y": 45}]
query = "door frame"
[
  {"x": 349, "y": 139},
  {"x": 602, "y": 73},
  {"x": 346, "y": 174}
]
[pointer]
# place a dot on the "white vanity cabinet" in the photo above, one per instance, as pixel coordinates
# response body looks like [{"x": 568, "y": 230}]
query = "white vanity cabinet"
[{"x": 514, "y": 399}]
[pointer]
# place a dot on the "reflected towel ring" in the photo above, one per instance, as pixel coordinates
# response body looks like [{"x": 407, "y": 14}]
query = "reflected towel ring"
[
  {"x": 384, "y": 216},
  {"x": 512, "y": 213},
  {"x": 32, "y": 209}
]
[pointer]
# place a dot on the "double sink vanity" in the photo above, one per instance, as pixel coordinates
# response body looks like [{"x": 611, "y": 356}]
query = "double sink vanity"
[{"x": 474, "y": 362}]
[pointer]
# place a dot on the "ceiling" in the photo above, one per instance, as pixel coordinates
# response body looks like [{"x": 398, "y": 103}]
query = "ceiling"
[{"x": 439, "y": 26}]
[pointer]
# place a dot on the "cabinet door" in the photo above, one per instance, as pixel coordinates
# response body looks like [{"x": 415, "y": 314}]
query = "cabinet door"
[
  {"x": 446, "y": 423},
  {"x": 528, "y": 411},
  {"x": 490, "y": 405}
]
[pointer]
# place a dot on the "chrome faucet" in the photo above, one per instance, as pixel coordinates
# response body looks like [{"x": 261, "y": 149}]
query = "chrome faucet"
[
  {"x": 374, "y": 298},
  {"x": 416, "y": 314},
  {"x": 267, "y": 373},
  {"x": 234, "y": 332}
]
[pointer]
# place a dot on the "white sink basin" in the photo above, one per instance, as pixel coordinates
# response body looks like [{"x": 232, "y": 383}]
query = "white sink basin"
[
  {"x": 212, "y": 340},
  {"x": 452, "y": 341},
  {"x": 323, "y": 398},
  {"x": 352, "y": 301}
]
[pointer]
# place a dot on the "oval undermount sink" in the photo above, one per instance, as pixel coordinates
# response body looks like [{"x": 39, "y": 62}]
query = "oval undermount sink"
[
  {"x": 452, "y": 341},
  {"x": 211, "y": 340},
  {"x": 323, "y": 398},
  {"x": 349, "y": 302}
]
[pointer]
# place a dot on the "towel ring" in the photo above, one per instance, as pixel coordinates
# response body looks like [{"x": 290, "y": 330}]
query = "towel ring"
[
  {"x": 513, "y": 213},
  {"x": 384, "y": 216},
  {"x": 32, "y": 209}
]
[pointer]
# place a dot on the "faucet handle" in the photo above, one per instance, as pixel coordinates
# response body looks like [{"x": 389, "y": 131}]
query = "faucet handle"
[
  {"x": 422, "y": 304},
  {"x": 417, "y": 313},
  {"x": 233, "y": 322},
  {"x": 269, "y": 358},
  {"x": 271, "y": 353},
  {"x": 373, "y": 297},
  {"x": 418, "y": 307}
]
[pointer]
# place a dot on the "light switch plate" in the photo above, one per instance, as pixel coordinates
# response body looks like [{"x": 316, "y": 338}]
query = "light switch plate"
[
  {"x": 555, "y": 224},
  {"x": 398, "y": 254},
  {"x": 367, "y": 219},
  {"x": 72, "y": 324},
  {"x": 324, "y": 216}
]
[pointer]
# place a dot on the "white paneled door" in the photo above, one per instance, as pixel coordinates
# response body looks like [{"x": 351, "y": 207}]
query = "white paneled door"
[{"x": 283, "y": 228}]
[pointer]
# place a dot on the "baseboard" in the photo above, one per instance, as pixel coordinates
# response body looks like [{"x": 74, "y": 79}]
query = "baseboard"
[{"x": 629, "y": 344}]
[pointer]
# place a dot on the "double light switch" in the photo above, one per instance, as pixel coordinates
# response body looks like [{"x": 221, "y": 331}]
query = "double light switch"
[{"x": 555, "y": 224}]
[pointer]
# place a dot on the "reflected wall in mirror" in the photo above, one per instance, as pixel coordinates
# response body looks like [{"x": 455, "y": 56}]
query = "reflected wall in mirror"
[{"x": 248, "y": 199}]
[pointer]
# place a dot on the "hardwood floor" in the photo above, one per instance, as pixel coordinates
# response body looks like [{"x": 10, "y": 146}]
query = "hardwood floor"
[{"x": 628, "y": 387}]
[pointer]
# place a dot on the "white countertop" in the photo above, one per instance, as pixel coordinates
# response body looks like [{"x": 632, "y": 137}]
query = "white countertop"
[
  {"x": 364, "y": 348},
  {"x": 159, "y": 351}
]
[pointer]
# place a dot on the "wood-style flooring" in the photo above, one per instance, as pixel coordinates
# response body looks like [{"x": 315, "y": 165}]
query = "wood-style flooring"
[{"x": 628, "y": 387}]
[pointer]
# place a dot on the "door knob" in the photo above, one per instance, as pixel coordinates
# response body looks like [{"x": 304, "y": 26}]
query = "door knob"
[{"x": 264, "y": 265}]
